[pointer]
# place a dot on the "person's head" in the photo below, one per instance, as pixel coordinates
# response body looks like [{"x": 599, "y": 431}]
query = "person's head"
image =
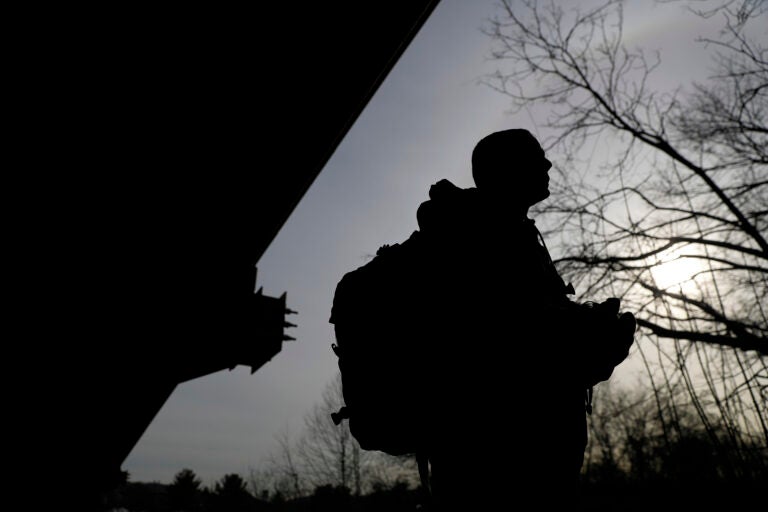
[{"x": 511, "y": 163}]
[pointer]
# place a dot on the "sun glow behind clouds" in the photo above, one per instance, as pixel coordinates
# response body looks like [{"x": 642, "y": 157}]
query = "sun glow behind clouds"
[{"x": 677, "y": 270}]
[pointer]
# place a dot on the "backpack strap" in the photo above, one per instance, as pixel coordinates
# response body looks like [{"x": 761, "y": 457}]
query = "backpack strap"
[
  {"x": 422, "y": 460},
  {"x": 566, "y": 289}
]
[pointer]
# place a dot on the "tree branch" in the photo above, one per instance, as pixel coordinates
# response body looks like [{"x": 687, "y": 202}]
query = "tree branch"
[{"x": 745, "y": 343}]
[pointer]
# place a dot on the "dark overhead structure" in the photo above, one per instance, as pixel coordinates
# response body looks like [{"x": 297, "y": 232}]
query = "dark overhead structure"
[{"x": 190, "y": 136}]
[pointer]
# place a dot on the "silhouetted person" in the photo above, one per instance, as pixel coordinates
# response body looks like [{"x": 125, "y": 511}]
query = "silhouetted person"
[
  {"x": 461, "y": 344},
  {"x": 509, "y": 409}
]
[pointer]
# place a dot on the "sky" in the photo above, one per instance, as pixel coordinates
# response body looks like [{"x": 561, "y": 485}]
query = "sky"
[{"x": 420, "y": 127}]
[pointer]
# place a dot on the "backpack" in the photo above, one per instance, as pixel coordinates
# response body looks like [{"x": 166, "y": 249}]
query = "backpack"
[{"x": 381, "y": 349}]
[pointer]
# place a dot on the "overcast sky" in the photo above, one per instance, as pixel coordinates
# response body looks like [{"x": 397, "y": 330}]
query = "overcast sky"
[{"x": 420, "y": 127}]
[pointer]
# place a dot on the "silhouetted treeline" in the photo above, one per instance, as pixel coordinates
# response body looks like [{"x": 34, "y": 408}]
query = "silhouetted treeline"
[
  {"x": 605, "y": 487},
  {"x": 186, "y": 493},
  {"x": 232, "y": 494}
]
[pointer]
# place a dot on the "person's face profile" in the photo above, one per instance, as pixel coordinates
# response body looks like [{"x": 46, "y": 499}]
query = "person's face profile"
[{"x": 533, "y": 169}]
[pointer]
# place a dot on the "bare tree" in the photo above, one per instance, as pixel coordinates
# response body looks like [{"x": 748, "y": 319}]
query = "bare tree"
[
  {"x": 673, "y": 220},
  {"x": 632, "y": 440},
  {"x": 282, "y": 476},
  {"x": 327, "y": 454}
]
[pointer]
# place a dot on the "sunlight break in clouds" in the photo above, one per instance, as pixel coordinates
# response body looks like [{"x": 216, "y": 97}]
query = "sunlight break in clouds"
[{"x": 677, "y": 269}]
